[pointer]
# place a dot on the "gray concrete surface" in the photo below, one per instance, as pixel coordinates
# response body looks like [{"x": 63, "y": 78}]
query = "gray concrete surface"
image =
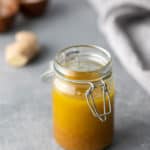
[{"x": 25, "y": 103}]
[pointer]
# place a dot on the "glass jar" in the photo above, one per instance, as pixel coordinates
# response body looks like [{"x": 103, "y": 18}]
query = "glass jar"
[{"x": 83, "y": 98}]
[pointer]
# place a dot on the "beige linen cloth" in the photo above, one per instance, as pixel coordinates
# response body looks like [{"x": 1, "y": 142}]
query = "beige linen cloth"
[{"x": 126, "y": 25}]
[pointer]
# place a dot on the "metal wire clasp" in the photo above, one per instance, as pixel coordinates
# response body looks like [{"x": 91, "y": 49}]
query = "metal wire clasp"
[
  {"x": 91, "y": 102},
  {"x": 88, "y": 94},
  {"x": 50, "y": 72}
]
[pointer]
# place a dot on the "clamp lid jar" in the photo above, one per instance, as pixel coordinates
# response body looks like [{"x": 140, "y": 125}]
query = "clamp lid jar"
[{"x": 83, "y": 98}]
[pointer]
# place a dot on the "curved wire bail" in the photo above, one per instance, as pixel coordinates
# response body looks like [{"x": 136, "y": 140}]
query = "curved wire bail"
[
  {"x": 49, "y": 73},
  {"x": 91, "y": 102}
]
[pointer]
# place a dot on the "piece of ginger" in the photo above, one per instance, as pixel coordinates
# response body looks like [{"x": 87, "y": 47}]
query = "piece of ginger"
[
  {"x": 14, "y": 55},
  {"x": 26, "y": 47},
  {"x": 26, "y": 36}
]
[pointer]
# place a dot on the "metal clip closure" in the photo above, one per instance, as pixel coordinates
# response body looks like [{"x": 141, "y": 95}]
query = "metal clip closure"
[
  {"x": 91, "y": 102},
  {"x": 50, "y": 72},
  {"x": 89, "y": 94}
]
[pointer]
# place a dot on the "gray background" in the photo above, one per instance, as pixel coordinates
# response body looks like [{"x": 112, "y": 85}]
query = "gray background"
[{"x": 25, "y": 104}]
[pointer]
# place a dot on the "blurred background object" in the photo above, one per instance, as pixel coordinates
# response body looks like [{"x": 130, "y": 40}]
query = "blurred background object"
[
  {"x": 10, "y": 8},
  {"x": 125, "y": 23},
  {"x": 32, "y": 8},
  {"x": 8, "y": 12}
]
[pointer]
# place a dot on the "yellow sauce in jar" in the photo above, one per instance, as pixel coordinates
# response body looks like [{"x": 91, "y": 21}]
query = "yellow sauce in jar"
[
  {"x": 83, "y": 98},
  {"x": 75, "y": 127}
]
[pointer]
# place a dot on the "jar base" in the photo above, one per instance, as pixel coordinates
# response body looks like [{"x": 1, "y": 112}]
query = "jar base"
[
  {"x": 104, "y": 148},
  {"x": 56, "y": 146}
]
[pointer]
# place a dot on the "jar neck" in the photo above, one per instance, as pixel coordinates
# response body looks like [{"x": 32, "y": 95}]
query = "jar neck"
[{"x": 75, "y": 76}]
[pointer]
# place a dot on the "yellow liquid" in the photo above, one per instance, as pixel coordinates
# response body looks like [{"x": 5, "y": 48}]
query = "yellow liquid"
[{"x": 75, "y": 127}]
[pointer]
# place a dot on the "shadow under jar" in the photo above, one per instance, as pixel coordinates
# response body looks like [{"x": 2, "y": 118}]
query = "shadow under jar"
[{"x": 83, "y": 98}]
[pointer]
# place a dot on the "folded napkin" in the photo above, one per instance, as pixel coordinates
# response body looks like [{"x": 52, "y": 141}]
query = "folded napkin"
[{"x": 126, "y": 25}]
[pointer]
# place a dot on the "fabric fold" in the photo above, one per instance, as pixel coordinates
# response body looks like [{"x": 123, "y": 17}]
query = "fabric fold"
[{"x": 125, "y": 24}]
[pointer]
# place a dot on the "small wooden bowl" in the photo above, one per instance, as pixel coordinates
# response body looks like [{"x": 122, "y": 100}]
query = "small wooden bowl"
[
  {"x": 33, "y": 8},
  {"x": 8, "y": 12}
]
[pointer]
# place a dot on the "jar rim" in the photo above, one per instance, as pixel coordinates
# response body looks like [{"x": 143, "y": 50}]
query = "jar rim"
[{"x": 59, "y": 68}]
